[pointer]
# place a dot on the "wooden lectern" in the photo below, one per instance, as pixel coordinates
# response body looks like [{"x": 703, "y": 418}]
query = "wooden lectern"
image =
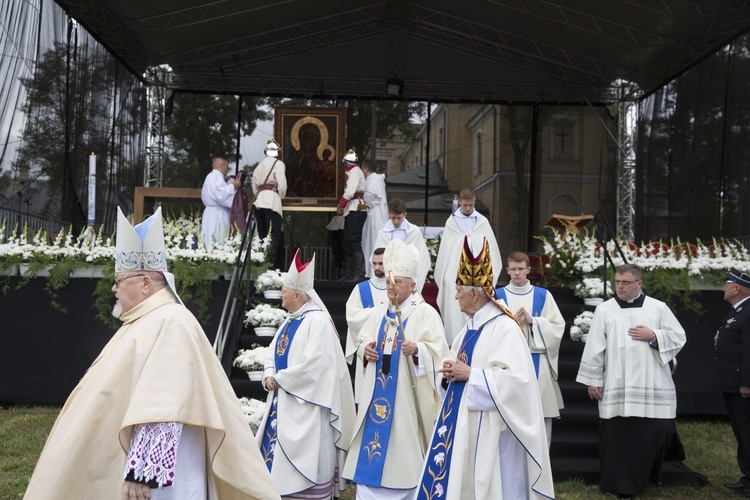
[{"x": 570, "y": 223}]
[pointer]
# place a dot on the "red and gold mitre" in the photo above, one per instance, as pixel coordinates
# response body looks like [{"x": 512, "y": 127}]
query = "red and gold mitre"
[{"x": 476, "y": 271}]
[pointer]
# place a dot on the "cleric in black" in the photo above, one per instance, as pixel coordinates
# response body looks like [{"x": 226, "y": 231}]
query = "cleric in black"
[{"x": 732, "y": 355}]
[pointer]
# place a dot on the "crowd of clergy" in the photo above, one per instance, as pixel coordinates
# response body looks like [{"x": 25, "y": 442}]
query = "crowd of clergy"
[{"x": 454, "y": 401}]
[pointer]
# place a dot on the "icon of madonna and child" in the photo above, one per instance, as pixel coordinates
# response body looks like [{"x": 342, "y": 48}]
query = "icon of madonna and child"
[{"x": 310, "y": 159}]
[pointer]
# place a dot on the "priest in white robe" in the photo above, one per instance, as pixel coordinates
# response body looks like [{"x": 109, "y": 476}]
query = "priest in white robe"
[
  {"x": 309, "y": 417},
  {"x": 489, "y": 440},
  {"x": 397, "y": 227},
  {"x": 155, "y": 415},
  {"x": 626, "y": 368},
  {"x": 535, "y": 308},
  {"x": 399, "y": 399},
  {"x": 465, "y": 221},
  {"x": 364, "y": 297},
  {"x": 377, "y": 210},
  {"x": 217, "y": 195}
]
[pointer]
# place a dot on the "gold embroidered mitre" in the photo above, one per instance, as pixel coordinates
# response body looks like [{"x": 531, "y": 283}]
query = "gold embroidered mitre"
[
  {"x": 477, "y": 271},
  {"x": 401, "y": 259}
]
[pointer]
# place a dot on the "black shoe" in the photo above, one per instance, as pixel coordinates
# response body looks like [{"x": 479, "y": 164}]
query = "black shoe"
[{"x": 735, "y": 486}]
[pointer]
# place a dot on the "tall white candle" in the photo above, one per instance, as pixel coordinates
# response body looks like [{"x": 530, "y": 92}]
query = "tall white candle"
[{"x": 92, "y": 188}]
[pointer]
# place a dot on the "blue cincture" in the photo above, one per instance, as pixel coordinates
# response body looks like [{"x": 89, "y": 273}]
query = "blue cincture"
[
  {"x": 377, "y": 424},
  {"x": 537, "y": 305},
  {"x": 438, "y": 460},
  {"x": 365, "y": 294},
  {"x": 270, "y": 433}
]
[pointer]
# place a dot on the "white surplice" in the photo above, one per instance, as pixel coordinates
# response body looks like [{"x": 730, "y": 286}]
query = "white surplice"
[{"x": 217, "y": 195}]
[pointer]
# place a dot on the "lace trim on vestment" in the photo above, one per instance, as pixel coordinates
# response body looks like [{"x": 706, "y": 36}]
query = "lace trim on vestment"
[{"x": 152, "y": 452}]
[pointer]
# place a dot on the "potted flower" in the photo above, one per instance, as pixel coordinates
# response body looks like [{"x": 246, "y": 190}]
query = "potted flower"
[
  {"x": 254, "y": 410},
  {"x": 579, "y": 330},
  {"x": 252, "y": 361},
  {"x": 591, "y": 290},
  {"x": 265, "y": 319},
  {"x": 270, "y": 283}
]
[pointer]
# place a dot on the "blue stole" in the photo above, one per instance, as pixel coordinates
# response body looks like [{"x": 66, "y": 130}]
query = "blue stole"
[
  {"x": 437, "y": 462},
  {"x": 268, "y": 445},
  {"x": 379, "y": 417},
  {"x": 365, "y": 294},
  {"x": 537, "y": 304}
]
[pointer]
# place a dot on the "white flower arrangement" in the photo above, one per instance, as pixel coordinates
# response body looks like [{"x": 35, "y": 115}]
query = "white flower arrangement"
[
  {"x": 592, "y": 287},
  {"x": 265, "y": 315},
  {"x": 581, "y": 326},
  {"x": 251, "y": 360},
  {"x": 254, "y": 410},
  {"x": 272, "y": 279},
  {"x": 259, "y": 248}
]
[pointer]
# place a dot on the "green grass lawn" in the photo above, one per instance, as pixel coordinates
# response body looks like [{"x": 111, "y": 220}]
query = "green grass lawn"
[{"x": 709, "y": 445}]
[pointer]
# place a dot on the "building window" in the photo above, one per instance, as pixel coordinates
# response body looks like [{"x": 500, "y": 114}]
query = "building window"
[
  {"x": 478, "y": 153},
  {"x": 381, "y": 165}
]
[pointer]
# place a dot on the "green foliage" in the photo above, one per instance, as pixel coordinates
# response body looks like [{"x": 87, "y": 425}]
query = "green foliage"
[
  {"x": 200, "y": 127},
  {"x": 194, "y": 279},
  {"x": 103, "y": 299},
  {"x": 23, "y": 432},
  {"x": 674, "y": 287},
  {"x": 709, "y": 446}
]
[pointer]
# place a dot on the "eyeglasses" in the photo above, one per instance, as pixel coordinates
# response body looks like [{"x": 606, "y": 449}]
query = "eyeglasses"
[
  {"x": 118, "y": 282},
  {"x": 625, "y": 283}
]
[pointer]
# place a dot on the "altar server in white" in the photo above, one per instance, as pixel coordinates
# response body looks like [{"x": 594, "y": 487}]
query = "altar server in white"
[
  {"x": 217, "y": 195},
  {"x": 465, "y": 221},
  {"x": 377, "y": 210},
  {"x": 626, "y": 368},
  {"x": 364, "y": 297},
  {"x": 535, "y": 308},
  {"x": 399, "y": 228}
]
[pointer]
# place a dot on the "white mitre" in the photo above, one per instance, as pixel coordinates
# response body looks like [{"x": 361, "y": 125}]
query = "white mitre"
[
  {"x": 142, "y": 248},
  {"x": 302, "y": 277},
  {"x": 401, "y": 259}
]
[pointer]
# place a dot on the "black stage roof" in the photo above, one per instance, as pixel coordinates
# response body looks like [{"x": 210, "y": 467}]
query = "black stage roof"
[{"x": 564, "y": 51}]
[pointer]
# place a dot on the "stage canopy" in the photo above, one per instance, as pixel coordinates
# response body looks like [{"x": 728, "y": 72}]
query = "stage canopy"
[{"x": 565, "y": 51}]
